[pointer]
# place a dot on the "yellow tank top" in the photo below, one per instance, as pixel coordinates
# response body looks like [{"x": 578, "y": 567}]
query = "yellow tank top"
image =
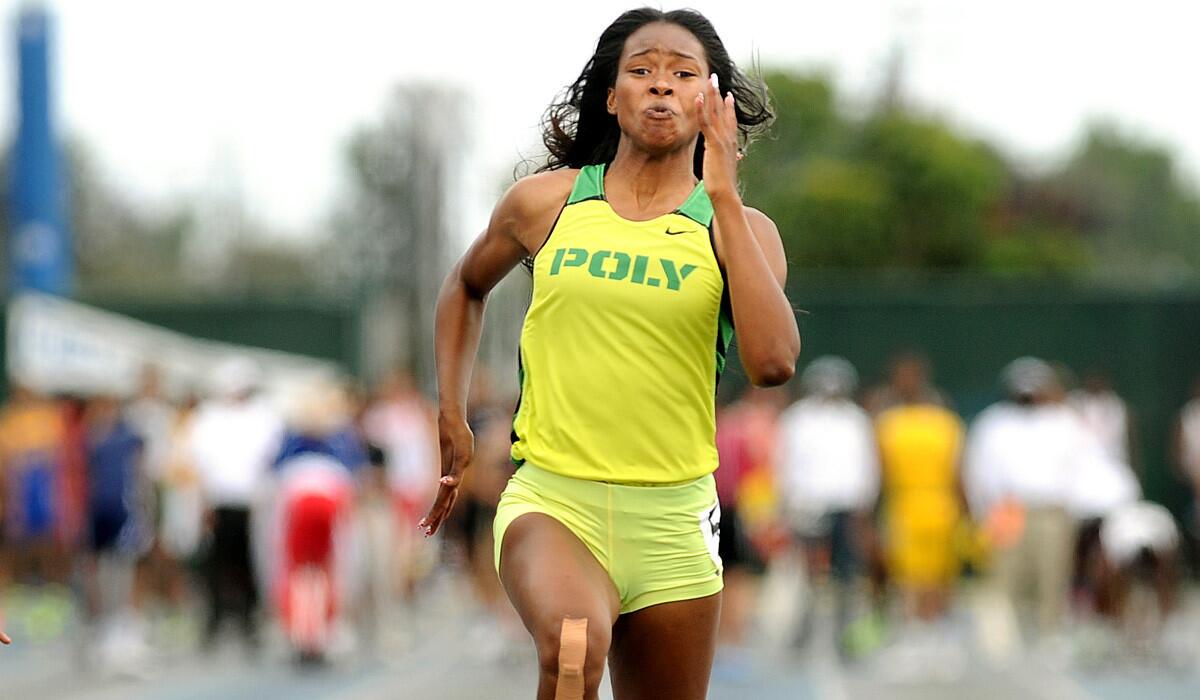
[
  {"x": 919, "y": 446},
  {"x": 623, "y": 343},
  {"x": 919, "y": 449}
]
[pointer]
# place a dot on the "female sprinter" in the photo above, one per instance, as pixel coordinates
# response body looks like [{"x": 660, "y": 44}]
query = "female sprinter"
[{"x": 606, "y": 535}]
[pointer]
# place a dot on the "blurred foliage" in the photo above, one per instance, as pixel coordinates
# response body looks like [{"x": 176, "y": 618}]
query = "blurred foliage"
[
  {"x": 1137, "y": 212},
  {"x": 899, "y": 190}
]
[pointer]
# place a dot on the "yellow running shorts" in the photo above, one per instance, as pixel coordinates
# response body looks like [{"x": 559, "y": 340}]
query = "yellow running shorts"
[{"x": 657, "y": 542}]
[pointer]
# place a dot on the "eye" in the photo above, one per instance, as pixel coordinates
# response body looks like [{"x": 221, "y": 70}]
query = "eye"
[
  {"x": 685, "y": 74},
  {"x": 640, "y": 71}
]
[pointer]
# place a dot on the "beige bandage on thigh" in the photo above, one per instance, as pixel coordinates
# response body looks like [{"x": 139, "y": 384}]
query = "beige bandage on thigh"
[{"x": 572, "y": 651}]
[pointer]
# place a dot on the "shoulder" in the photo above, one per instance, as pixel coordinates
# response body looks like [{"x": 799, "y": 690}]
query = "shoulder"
[
  {"x": 760, "y": 223},
  {"x": 534, "y": 195},
  {"x": 527, "y": 210},
  {"x": 993, "y": 416}
]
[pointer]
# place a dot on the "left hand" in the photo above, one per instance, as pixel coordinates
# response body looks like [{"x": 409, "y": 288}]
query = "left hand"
[{"x": 718, "y": 123}]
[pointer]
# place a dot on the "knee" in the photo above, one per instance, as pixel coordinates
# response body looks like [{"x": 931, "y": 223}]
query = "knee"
[{"x": 572, "y": 655}]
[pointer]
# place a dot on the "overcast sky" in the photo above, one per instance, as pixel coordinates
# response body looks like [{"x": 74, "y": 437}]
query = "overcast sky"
[{"x": 183, "y": 97}]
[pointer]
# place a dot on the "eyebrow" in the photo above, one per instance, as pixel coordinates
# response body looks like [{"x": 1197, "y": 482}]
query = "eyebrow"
[{"x": 680, "y": 54}]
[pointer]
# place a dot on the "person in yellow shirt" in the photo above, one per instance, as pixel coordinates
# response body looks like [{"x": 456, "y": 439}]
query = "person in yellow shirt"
[
  {"x": 32, "y": 434},
  {"x": 920, "y": 443}
]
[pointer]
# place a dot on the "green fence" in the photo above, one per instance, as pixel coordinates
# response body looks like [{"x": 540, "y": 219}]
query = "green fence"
[
  {"x": 1149, "y": 342},
  {"x": 317, "y": 329}
]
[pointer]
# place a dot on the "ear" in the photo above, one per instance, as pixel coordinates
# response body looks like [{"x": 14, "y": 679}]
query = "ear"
[{"x": 611, "y": 102}]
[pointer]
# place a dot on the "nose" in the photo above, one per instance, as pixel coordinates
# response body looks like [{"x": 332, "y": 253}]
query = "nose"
[{"x": 661, "y": 88}]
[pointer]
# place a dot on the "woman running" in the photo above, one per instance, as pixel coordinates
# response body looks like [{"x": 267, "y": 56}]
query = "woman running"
[{"x": 644, "y": 260}]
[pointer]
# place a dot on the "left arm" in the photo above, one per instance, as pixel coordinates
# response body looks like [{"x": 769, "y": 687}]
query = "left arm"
[
  {"x": 749, "y": 246},
  {"x": 756, "y": 269}
]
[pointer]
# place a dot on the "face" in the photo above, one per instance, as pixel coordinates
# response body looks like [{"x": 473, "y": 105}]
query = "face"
[
  {"x": 908, "y": 377},
  {"x": 662, "y": 69}
]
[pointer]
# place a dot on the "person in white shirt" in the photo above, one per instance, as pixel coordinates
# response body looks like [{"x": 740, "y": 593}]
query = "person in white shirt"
[
  {"x": 1141, "y": 548},
  {"x": 1024, "y": 456},
  {"x": 234, "y": 437},
  {"x": 403, "y": 423},
  {"x": 1105, "y": 415},
  {"x": 829, "y": 477},
  {"x": 1187, "y": 456},
  {"x": 1106, "y": 482},
  {"x": 153, "y": 418}
]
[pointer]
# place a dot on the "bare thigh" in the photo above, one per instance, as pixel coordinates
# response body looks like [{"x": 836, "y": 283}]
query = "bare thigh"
[
  {"x": 665, "y": 652},
  {"x": 550, "y": 575}
]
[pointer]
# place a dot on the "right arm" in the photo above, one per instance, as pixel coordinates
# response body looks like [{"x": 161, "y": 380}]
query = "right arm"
[{"x": 518, "y": 227}]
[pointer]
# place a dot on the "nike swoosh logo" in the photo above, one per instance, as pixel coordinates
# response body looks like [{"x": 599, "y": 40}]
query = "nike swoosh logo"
[{"x": 676, "y": 233}]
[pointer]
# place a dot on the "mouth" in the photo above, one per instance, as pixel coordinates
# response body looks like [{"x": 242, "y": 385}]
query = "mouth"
[{"x": 659, "y": 112}]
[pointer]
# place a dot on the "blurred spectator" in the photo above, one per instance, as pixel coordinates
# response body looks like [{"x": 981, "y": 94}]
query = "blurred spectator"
[
  {"x": 1105, "y": 415},
  {"x": 747, "y": 437},
  {"x": 489, "y": 416},
  {"x": 490, "y": 419},
  {"x": 1187, "y": 458},
  {"x": 908, "y": 376},
  {"x": 32, "y": 434},
  {"x": 1022, "y": 462},
  {"x": 829, "y": 477},
  {"x": 1105, "y": 483},
  {"x": 119, "y": 532},
  {"x": 233, "y": 439},
  {"x": 315, "y": 538},
  {"x": 379, "y": 529},
  {"x": 402, "y": 423},
  {"x": 153, "y": 418},
  {"x": 920, "y": 447},
  {"x": 181, "y": 508},
  {"x": 1141, "y": 552}
]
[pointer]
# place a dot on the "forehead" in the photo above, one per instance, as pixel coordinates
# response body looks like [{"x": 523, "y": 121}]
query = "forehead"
[{"x": 663, "y": 37}]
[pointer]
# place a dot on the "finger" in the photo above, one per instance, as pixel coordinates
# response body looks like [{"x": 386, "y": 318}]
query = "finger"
[
  {"x": 439, "y": 510},
  {"x": 4, "y": 638},
  {"x": 713, "y": 98}
]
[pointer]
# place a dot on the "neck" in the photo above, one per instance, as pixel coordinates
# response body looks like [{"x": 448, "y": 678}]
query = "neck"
[{"x": 647, "y": 179}]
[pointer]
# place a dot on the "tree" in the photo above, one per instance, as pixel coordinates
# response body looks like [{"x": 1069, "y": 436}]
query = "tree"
[
  {"x": 1137, "y": 211},
  {"x": 393, "y": 228}
]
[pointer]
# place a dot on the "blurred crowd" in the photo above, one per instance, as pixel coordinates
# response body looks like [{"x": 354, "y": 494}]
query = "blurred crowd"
[
  {"x": 212, "y": 516},
  {"x": 883, "y": 500},
  {"x": 240, "y": 509}
]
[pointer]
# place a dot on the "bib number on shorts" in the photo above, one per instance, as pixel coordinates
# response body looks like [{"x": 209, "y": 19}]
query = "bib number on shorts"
[{"x": 710, "y": 528}]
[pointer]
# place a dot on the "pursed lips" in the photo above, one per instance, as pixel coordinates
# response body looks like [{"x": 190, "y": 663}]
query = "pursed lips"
[{"x": 659, "y": 111}]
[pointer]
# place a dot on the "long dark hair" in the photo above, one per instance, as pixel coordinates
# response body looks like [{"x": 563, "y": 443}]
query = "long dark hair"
[{"x": 577, "y": 128}]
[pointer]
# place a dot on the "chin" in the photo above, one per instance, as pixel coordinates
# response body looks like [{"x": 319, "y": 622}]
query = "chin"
[{"x": 662, "y": 143}]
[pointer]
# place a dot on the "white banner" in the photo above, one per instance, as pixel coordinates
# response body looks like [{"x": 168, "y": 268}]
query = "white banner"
[{"x": 59, "y": 346}]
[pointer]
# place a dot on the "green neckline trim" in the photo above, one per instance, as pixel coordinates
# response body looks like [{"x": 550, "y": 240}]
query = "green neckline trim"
[
  {"x": 698, "y": 207},
  {"x": 589, "y": 184}
]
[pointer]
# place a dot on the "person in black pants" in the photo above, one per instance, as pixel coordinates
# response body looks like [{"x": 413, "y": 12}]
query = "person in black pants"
[{"x": 230, "y": 575}]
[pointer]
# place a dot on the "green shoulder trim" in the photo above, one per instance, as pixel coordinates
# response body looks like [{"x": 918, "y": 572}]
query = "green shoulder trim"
[
  {"x": 589, "y": 184},
  {"x": 698, "y": 206}
]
